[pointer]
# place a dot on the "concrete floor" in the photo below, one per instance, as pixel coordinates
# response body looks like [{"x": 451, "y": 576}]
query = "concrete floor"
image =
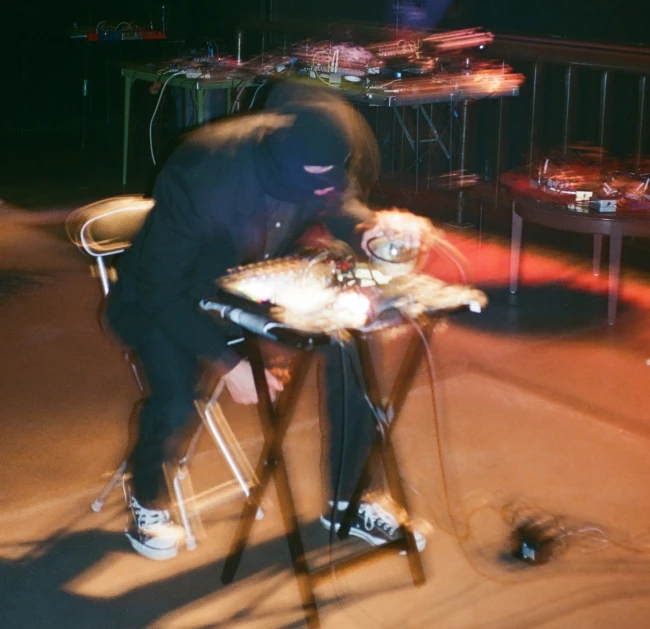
[{"x": 543, "y": 416}]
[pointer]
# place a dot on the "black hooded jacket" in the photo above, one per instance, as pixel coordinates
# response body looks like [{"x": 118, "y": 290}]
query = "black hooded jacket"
[{"x": 211, "y": 213}]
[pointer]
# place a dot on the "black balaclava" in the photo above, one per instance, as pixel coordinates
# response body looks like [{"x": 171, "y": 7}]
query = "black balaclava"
[{"x": 317, "y": 136}]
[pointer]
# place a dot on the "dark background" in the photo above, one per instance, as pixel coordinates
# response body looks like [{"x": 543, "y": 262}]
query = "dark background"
[
  {"x": 605, "y": 20},
  {"x": 45, "y": 69}
]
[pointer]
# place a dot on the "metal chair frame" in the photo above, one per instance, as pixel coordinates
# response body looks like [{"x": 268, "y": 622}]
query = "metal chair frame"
[{"x": 80, "y": 225}]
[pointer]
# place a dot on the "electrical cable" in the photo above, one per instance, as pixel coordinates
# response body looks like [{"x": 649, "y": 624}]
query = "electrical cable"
[
  {"x": 512, "y": 514},
  {"x": 236, "y": 102},
  {"x": 453, "y": 254},
  {"x": 461, "y": 537},
  {"x": 261, "y": 85},
  {"x": 346, "y": 374},
  {"x": 339, "y": 474},
  {"x": 162, "y": 91}
]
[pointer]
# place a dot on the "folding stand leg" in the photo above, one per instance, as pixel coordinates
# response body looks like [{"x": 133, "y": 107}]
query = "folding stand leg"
[
  {"x": 402, "y": 386},
  {"x": 271, "y": 464},
  {"x": 398, "y": 494},
  {"x": 390, "y": 412}
]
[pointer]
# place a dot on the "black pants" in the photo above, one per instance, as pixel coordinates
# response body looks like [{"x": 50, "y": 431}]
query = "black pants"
[
  {"x": 171, "y": 374},
  {"x": 352, "y": 429}
]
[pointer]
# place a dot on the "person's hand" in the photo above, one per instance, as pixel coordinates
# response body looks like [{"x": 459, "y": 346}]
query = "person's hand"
[
  {"x": 414, "y": 231},
  {"x": 241, "y": 384}
]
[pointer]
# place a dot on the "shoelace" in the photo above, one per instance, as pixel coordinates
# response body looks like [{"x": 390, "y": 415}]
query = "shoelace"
[
  {"x": 149, "y": 517},
  {"x": 373, "y": 515}
]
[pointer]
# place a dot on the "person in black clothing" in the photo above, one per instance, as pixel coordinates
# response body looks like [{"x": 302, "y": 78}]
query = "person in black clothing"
[{"x": 235, "y": 192}]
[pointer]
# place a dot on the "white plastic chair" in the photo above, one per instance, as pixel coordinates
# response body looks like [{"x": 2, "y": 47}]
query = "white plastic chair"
[{"x": 103, "y": 230}]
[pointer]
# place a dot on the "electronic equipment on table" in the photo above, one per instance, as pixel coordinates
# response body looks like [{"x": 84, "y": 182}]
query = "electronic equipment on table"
[
  {"x": 307, "y": 301},
  {"x": 585, "y": 180},
  {"x": 408, "y": 71},
  {"x": 123, "y": 31}
]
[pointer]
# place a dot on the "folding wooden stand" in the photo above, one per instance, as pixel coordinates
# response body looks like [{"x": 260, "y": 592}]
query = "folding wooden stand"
[{"x": 271, "y": 465}]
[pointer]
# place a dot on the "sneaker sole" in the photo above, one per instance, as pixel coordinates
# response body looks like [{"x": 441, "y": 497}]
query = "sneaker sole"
[
  {"x": 157, "y": 554},
  {"x": 367, "y": 537}
]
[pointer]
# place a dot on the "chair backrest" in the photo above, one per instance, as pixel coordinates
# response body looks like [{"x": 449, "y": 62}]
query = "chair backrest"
[{"x": 107, "y": 227}]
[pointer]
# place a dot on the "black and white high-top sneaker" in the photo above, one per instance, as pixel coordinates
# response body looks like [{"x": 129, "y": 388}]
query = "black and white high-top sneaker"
[
  {"x": 374, "y": 524},
  {"x": 152, "y": 533}
]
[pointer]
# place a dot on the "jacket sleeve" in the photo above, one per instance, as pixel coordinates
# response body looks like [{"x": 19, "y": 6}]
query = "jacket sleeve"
[
  {"x": 172, "y": 241},
  {"x": 343, "y": 228},
  {"x": 345, "y": 221}
]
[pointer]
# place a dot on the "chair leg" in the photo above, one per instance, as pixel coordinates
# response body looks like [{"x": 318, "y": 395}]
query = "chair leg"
[
  {"x": 180, "y": 479},
  {"x": 194, "y": 444},
  {"x": 188, "y": 504},
  {"x": 117, "y": 477},
  {"x": 180, "y": 484},
  {"x": 218, "y": 427}
]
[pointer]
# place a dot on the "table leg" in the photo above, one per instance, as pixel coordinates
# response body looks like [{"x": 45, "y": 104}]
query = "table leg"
[
  {"x": 84, "y": 93},
  {"x": 598, "y": 249},
  {"x": 411, "y": 362},
  {"x": 515, "y": 249},
  {"x": 460, "y": 207},
  {"x": 460, "y": 201},
  {"x": 294, "y": 540},
  {"x": 396, "y": 488},
  {"x": 228, "y": 99},
  {"x": 497, "y": 166},
  {"x": 128, "y": 82},
  {"x": 200, "y": 106},
  {"x": 417, "y": 149},
  {"x": 615, "y": 247}
]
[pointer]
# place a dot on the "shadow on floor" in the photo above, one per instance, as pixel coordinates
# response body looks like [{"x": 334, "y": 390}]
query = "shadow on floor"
[
  {"x": 540, "y": 309},
  {"x": 35, "y": 590},
  {"x": 15, "y": 282}
]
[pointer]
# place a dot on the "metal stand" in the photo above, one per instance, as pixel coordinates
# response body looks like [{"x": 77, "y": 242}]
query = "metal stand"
[
  {"x": 104, "y": 229},
  {"x": 460, "y": 202},
  {"x": 189, "y": 503},
  {"x": 271, "y": 465},
  {"x": 414, "y": 142}
]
